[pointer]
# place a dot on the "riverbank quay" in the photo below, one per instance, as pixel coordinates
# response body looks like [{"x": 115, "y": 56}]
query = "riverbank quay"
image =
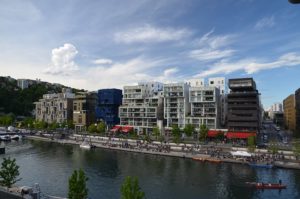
[
  {"x": 204, "y": 153},
  {"x": 7, "y": 194}
]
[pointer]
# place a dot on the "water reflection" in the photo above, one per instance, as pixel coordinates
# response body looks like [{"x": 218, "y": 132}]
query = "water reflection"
[{"x": 51, "y": 164}]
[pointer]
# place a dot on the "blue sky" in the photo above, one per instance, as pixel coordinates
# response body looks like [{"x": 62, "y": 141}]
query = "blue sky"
[{"x": 103, "y": 44}]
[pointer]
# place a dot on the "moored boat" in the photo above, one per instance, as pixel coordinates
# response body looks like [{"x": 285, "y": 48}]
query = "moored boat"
[
  {"x": 86, "y": 144},
  {"x": 199, "y": 159},
  {"x": 213, "y": 160},
  {"x": 15, "y": 137},
  {"x": 261, "y": 185},
  {"x": 5, "y": 138}
]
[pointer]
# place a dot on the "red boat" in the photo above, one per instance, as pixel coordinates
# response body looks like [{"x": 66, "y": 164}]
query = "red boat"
[{"x": 261, "y": 185}]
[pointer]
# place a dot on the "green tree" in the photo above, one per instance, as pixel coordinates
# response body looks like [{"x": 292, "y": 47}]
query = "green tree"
[
  {"x": 156, "y": 132},
  {"x": 28, "y": 122},
  {"x": 189, "y": 130},
  {"x": 70, "y": 124},
  {"x": 203, "y": 132},
  {"x": 273, "y": 148},
  {"x": 9, "y": 172},
  {"x": 251, "y": 143},
  {"x": 130, "y": 189},
  {"x": 176, "y": 134},
  {"x": 40, "y": 125},
  {"x": 6, "y": 120},
  {"x": 101, "y": 127},
  {"x": 77, "y": 185},
  {"x": 296, "y": 150},
  {"x": 175, "y": 131},
  {"x": 53, "y": 126},
  {"x": 92, "y": 128}
]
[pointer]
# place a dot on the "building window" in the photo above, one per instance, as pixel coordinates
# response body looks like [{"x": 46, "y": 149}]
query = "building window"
[{"x": 211, "y": 82}]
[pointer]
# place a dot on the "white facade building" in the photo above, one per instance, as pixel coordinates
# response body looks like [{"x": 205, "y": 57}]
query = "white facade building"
[
  {"x": 22, "y": 83},
  {"x": 196, "y": 82},
  {"x": 275, "y": 108},
  {"x": 176, "y": 104},
  {"x": 142, "y": 106},
  {"x": 220, "y": 83},
  {"x": 204, "y": 107}
]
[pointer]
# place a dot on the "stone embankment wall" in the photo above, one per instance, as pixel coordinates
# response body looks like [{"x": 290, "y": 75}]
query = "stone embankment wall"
[{"x": 7, "y": 195}]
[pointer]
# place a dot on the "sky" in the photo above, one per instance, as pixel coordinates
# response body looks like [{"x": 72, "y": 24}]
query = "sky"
[{"x": 95, "y": 44}]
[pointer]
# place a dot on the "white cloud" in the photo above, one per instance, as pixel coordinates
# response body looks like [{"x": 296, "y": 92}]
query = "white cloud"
[
  {"x": 63, "y": 60},
  {"x": 251, "y": 66},
  {"x": 208, "y": 54},
  {"x": 266, "y": 22},
  {"x": 149, "y": 33},
  {"x": 170, "y": 71},
  {"x": 119, "y": 74},
  {"x": 122, "y": 73},
  {"x": 102, "y": 61},
  {"x": 212, "y": 47},
  {"x": 215, "y": 42}
]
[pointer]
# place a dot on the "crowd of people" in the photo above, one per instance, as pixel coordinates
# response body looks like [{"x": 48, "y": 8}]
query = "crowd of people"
[{"x": 166, "y": 147}]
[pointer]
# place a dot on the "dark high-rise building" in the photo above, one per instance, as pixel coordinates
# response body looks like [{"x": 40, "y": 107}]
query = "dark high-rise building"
[
  {"x": 244, "y": 110},
  {"x": 109, "y": 101}
]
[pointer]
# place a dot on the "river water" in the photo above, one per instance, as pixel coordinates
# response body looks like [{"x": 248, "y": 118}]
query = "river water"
[{"x": 51, "y": 164}]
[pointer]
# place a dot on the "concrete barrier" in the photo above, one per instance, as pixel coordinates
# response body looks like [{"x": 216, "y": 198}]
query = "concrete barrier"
[{"x": 8, "y": 195}]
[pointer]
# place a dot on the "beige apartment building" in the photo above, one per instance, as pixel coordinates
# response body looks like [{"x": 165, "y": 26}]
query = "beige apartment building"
[
  {"x": 289, "y": 108},
  {"x": 84, "y": 110},
  {"x": 56, "y": 107}
]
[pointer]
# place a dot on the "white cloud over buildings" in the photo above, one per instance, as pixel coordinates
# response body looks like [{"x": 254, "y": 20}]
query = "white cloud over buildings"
[
  {"x": 150, "y": 33},
  {"x": 63, "y": 60}
]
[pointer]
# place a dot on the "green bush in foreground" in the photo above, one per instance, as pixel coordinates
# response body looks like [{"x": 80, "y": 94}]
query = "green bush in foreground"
[
  {"x": 9, "y": 172},
  {"x": 131, "y": 189},
  {"x": 77, "y": 185}
]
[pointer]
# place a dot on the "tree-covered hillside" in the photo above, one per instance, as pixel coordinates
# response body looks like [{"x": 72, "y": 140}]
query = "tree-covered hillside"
[{"x": 20, "y": 102}]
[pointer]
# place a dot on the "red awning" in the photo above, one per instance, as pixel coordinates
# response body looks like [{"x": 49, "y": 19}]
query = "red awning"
[
  {"x": 213, "y": 133},
  {"x": 127, "y": 129},
  {"x": 239, "y": 135},
  {"x": 116, "y": 128}
]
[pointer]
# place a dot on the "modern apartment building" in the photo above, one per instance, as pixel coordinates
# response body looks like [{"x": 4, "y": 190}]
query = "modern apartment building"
[
  {"x": 84, "y": 110},
  {"x": 196, "y": 82},
  {"x": 291, "y": 109},
  {"x": 205, "y": 107},
  {"x": 176, "y": 104},
  {"x": 274, "y": 109},
  {"x": 220, "y": 83},
  {"x": 23, "y": 83},
  {"x": 142, "y": 106},
  {"x": 57, "y": 107},
  {"x": 244, "y": 111},
  {"x": 107, "y": 109}
]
